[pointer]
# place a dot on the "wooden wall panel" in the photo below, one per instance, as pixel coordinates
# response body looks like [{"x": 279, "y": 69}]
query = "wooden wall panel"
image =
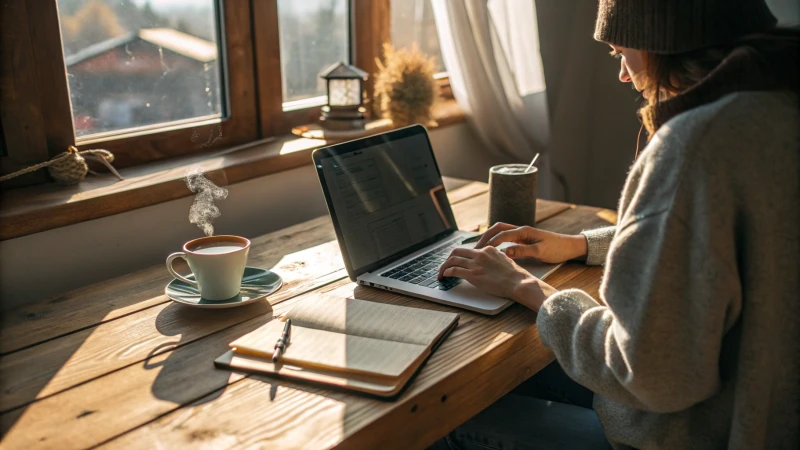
[
  {"x": 20, "y": 109},
  {"x": 51, "y": 74},
  {"x": 372, "y": 27},
  {"x": 268, "y": 66}
]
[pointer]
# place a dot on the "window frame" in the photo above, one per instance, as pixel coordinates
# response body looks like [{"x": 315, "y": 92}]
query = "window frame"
[
  {"x": 250, "y": 51},
  {"x": 135, "y": 147},
  {"x": 41, "y": 55},
  {"x": 273, "y": 120},
  {"x": 23, "y": 118},
  {"x": 369, "y": 29}
]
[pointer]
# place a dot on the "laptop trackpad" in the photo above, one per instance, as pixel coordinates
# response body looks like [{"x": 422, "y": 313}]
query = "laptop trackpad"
[{"x": 466, "y": 294}]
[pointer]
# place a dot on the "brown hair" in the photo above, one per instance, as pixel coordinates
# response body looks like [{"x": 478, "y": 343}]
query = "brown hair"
[{"x": 667, "y": 75}]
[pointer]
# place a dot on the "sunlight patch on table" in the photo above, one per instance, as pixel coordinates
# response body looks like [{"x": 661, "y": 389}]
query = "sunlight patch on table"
[
  {"x": 320, "y": 259},
  {"x": 608, "y": 215},
  {"x": 300, "y": 144}
]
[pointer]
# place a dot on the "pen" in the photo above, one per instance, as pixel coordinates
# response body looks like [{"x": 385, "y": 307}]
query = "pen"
[{"x": 283, "y": 341}]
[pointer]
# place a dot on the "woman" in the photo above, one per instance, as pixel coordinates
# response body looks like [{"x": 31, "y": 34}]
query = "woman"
[{"x": 694, "y": 340}]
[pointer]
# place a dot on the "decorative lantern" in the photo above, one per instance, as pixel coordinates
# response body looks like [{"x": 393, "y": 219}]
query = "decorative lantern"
[{"x": 345, "y": 109}]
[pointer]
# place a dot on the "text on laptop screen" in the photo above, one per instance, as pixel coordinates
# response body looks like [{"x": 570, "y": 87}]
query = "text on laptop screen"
[{"x": 387, "y": 198}]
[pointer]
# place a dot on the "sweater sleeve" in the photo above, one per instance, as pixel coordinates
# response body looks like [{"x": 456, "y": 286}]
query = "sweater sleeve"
[
  {"x": 656, "y": 346},
  {"x": 597, "y": 242}
]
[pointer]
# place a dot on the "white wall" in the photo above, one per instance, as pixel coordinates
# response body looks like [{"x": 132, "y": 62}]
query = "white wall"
[
  {"x": 52, "y": 262},
  {"x": 787, "y": 11}
]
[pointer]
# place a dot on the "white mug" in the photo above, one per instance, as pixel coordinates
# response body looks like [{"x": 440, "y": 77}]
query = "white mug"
[{"x": 217, "y": 263}]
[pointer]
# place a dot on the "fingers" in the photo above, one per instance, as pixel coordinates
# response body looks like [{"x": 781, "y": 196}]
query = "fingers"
[
  {"x": 455, "y": 261},
  {"x": 458, "y": 272},
  {"x": 461, "y": 262},
  {"x": 523, "y": 251},
  {"x": 464, "y": 253},
  {"x": 492, "y": 231},
  {"x": 518, "y": 235}
]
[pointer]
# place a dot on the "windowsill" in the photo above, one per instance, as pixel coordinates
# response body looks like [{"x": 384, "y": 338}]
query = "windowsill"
[{"x": 45, "y": 207}]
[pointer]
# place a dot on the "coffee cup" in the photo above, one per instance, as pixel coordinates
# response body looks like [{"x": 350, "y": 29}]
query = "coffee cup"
[
  {"x": 512, "y": 194},
  {"x": 217, "y": 263}
]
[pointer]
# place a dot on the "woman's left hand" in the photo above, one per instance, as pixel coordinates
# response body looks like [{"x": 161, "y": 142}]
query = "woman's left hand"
[{"x": 491, "y": 271}]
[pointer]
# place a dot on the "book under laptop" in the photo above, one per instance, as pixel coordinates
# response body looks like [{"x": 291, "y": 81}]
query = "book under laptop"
[{"x": 393, "y": 220}]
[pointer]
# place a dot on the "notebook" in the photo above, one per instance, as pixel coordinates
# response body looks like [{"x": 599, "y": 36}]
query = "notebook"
[{"x": 353, "y": 344}]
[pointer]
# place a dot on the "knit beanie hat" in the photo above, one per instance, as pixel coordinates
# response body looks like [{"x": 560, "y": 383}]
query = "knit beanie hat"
[{"x": 676, "y": 26}]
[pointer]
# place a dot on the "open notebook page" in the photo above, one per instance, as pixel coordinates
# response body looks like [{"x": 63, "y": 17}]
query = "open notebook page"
[
  {"x": 328, "y": 350},
  {"x": 371, "y": 319}
]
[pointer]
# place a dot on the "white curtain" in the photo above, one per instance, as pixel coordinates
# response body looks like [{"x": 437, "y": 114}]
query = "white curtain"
[{"x": 491, "y": 52}]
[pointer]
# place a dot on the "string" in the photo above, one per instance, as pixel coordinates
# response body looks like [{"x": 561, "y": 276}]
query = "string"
[{"x": 105, "y": 155}]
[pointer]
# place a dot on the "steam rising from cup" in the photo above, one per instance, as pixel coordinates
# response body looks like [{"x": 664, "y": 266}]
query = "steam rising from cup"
[{"x": 203, "y": 211}]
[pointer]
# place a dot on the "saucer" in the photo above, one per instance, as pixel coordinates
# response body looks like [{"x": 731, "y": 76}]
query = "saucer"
[{"x": 256, "y": 284}]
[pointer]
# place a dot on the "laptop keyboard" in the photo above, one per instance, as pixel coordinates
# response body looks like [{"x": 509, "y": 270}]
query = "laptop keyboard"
[{"x": 424, "y": 269}]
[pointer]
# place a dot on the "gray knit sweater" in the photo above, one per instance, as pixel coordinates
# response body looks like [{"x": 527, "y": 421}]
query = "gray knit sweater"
[{"x": 699, "y": 344}]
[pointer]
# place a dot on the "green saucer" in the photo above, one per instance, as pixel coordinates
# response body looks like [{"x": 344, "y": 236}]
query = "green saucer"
[{"x": 256, "y": 284}]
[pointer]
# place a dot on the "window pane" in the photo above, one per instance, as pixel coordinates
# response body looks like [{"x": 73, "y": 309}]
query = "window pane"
[
  {"x": 133, "y": 63},
  {"x": 412, "y": 22},
  {"x": 313, "y": 36}
]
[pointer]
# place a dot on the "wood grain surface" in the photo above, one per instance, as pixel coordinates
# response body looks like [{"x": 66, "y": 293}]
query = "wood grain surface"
[
  {"x": 460, "y": 359},
  {"x": 116, "y": 364},
  {"x": 36, "y": 372},
  {"x": 108, "y": 406},
  {"x": 281, "y": 251},
  {"x": 482, "y": 360}
]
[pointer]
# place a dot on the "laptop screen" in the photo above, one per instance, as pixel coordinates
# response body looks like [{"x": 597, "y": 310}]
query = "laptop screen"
[{"x": 386, "y": 197}]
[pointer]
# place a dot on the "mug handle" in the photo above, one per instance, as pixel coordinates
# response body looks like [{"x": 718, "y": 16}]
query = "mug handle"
[{"x": 172, "y": 272}]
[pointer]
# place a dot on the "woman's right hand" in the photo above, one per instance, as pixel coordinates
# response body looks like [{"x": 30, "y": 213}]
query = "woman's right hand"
[{"x": 531, "y": 242}]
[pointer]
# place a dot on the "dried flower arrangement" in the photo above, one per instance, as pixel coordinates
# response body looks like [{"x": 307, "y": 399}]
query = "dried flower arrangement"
[{"x": 404, "y": 86}]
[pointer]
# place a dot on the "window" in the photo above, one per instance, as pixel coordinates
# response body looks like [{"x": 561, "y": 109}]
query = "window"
[
  {"x": 313, "y": 36},
  {"x": 133, "y": 64},
  {"x": 413, "y": 23},
  {"x": 154, "y": 79},
  {"x": 144, "y": 79}
]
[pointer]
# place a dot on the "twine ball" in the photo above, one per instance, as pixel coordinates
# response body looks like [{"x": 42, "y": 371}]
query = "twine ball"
[{"x": 69, "y": 167}]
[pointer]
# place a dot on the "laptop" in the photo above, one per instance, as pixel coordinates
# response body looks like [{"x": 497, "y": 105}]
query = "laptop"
[{"x": 393, "y": 220}]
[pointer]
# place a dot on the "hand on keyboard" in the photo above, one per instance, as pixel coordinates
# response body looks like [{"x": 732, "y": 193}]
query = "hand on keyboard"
[
  {"x": 424, "y": 270},
  {"x": 493, "y": 272}
]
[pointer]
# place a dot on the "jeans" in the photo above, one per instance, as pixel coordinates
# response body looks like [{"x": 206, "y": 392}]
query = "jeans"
[{"x": 548, "y": 411}]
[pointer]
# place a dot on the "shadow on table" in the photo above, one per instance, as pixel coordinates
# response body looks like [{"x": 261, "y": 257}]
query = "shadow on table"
[
  {"x": 72, "y": 324},
  {"x": 327, "y": 416},
  {"x": 70, "y": 330},
  {"x": 342, "y": 413},
  {"x": 187, "y": 373}
]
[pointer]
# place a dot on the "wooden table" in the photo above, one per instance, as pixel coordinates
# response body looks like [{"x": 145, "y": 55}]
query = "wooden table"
[{"x": 116, "y": 364}]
